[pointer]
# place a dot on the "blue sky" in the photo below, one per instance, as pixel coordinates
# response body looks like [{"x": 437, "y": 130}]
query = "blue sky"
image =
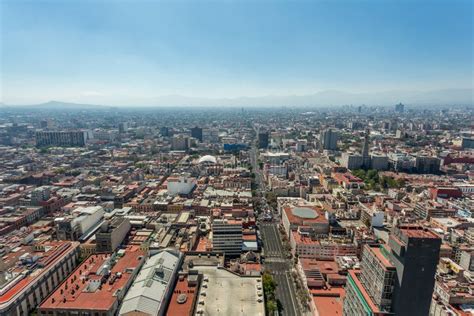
[{"x": 119, "y": 51}]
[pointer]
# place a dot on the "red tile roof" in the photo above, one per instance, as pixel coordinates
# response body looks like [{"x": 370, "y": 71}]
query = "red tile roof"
[{"x": 73, "y": 293}]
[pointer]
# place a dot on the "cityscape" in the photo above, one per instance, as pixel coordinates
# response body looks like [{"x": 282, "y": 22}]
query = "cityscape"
[{"x": 213, "y": 158}]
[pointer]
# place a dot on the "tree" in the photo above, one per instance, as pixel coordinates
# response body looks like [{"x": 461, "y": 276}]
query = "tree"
[
  {"x": 269, "y": 284},
  {"x": 271, "y": 307}
]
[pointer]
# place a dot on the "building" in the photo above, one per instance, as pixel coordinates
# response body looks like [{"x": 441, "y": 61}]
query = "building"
[
  {"x": 180, "y": 142},
  {"x": 111, "y": 234},
  {"x": 352, "y": 161},
  {"x": 263, "y": 139},
  {"x": 467, "y": 143},
  {"x": 226, "y": 293},
  {"x": 196, "y": 132},
  {"x": 415, "y": 254},
  {"x": 83, "y": 220},
  {"x": 152, "y": 289},
  {"x": 400, "y": 108},
  {"x": 313, "y": 217},
  {"x": 365, "y": 160},
  {"x": 328, "y": 139},
  {"x": 378, "y": 162},
  {"x": 305, "y": 244},
  {"x": 61, "y": 138},
  {"x": 96, "y": 287},
  {"x": 227, "y": 236},
  {"x": 31, "y": 273},
  {"x": 181, "y": 185},
  {"x": 165, "y": 131},
  {"x": 396, "y": 279},
  {"x": 426, "y": 164},
  {"x": 369, "y": 291},
  {"x": 365, "y": 150},
  {"x": 40, "y": 194}
]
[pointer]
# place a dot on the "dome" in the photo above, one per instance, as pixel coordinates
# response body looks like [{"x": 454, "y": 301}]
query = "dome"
[{"x": 208, "y": 159}]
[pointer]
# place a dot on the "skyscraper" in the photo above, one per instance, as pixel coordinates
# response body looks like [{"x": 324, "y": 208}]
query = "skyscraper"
[
  {"x": 415, "y": 254},
  {"x": 263, "y": 139},
  {"x": 329, "y": 138},
  {"x": 196, "y": 132},
  {"x": 400, "y": 108}
]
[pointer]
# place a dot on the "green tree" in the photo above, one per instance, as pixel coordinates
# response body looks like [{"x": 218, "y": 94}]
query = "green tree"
[{"x": 271, "y": 307}]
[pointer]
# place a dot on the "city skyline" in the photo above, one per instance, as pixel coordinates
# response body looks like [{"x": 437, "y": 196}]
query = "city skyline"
[{"x": 157, "y": 53}]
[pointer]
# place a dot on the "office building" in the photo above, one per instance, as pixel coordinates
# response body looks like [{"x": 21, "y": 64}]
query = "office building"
[
  {"x": 427, "y": 164},
  {"x": 196, "y": 132},
  {"x": 415, "y": 254},
  {"x": 400, "y": 108},
  {"x": 165, "y": 131},
  {"x": 111, "y": 234},
  {"x": 263, "y": 139},
  {"x": 61, "y": 139},
  {"x": 395, "y": 279},
  {"x": 180, "y": 142},
  {"x": 370, "y": 290},
  {"x": 328, "y": 139},
  {"x": 227, "y": 236}
]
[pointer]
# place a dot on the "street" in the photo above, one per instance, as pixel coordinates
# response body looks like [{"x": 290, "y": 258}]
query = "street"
[
  {"x": 280, "y": 268},
  {"x": 275, "y": 255}
]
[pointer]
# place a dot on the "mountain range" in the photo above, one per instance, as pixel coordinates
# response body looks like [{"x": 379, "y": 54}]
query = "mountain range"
[{"x": 323, "y": 99}]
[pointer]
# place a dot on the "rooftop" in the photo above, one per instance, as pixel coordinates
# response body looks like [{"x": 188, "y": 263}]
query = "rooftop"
[
  {"x": 91, "y": 286},
  {"x": 244, "y": 297}
]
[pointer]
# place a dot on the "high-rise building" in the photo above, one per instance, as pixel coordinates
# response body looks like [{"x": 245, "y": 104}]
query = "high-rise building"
[
  {"x": 61, "y": 138},
  {"x": 165, "y": 131},
  {"x": 400, "y": 108},
  {"x": 180, "y": 142},
  {"x": 365, "y": 149},
  {"x": 395, "y": 279},
  {"x": 263, "y": 139},
  {"x": 196, "y": 132},
  {"x": 415, "y": 254},
  {"x": 227, "y": 236},
  {"x": 329, "y": 138}
]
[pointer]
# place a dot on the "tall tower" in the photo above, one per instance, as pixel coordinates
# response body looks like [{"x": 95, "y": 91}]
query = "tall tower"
[
  {"x": 365, "y": 150},
  {"x": 329, "y": 139}
]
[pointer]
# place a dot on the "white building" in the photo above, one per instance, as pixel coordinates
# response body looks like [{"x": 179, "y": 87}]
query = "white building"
[
  {"x": 152, "y": 289},
  {"x": 182, "y": 184}
]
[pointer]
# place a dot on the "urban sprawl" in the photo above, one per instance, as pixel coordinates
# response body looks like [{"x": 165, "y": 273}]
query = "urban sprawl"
[{"x": 350, "y": 210}]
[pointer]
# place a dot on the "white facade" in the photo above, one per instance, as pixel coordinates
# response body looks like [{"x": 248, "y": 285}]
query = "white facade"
[{"x": 181, "y": 185}]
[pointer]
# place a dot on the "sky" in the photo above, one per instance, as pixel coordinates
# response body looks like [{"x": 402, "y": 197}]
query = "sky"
[{"x": 121, "y": 52}]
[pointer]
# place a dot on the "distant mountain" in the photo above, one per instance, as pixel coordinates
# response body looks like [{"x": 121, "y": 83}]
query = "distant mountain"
[
  {"x": 59, "y": 105},
  {"x": 323, "y": 98},
  {"x": 327, "y": 98}
]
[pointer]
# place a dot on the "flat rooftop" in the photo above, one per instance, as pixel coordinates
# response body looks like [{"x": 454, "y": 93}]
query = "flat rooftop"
[
  {"x": 225, "y": 293},
  {"x": 81, "y": 290}
]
